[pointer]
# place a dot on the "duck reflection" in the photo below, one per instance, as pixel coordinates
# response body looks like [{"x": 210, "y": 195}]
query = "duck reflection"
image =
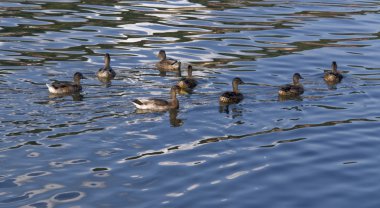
[
  {"x": 76, "y": 96},
  {"x": 188, "y": 82},
  {"x": 333, "y": 77},
  {"x": 234, "y": 109},
  {"x": 163, "y": 72},
  {"x": 173, "y": 114},
  {"x": 185, "y": 91},
  {"x": 281, "y": 98},
  {"x": 174, "y": 121},
  {"x": 106, "y": 82},
  {"x": 331, "y": 85},
  {"x": 167, "y": 64}
]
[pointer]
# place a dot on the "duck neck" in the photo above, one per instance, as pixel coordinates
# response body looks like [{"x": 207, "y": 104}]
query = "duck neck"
[
  {"x": 296, "y": 81},
  {"x": 179, "y": 72},
  {"x": 235, "y": 88},
  {"x": 76, "y": 80},
  {"x": 107, "y": 62},
  {"x": 189, "y": 72},
  {"x": 334, "y": 67},
  {"x": 173, "y": 94},
  {"x": 174, "y": 100},
  {"x": 175, "y": 103},
  {"x": 162, "y": 56}
]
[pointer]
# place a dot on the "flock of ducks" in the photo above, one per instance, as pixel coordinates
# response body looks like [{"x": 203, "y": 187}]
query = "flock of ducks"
[{"x": 165, "y": 64}]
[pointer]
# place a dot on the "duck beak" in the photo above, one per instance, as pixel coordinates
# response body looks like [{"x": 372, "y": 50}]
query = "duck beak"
[
  {"x": 83, "y": 77},
  {"x": 301, "y": 77}
]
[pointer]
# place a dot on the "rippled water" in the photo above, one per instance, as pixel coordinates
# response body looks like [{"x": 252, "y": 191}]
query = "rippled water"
[{"x": 96, "y": 150}]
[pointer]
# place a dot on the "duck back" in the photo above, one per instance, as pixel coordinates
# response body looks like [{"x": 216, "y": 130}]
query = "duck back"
[
  {"x": 231, "y": 97},
  {"x": 332, "y": 77},
  {"x": 63, "y": 87}
]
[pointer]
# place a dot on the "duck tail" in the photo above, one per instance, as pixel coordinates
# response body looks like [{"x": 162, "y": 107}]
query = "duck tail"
[
  {"x": 49, "y": 86},
  {"x": 137, "y": 102}
]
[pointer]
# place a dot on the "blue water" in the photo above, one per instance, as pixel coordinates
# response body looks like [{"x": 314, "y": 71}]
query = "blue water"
[{"x": 96, "y": 150}]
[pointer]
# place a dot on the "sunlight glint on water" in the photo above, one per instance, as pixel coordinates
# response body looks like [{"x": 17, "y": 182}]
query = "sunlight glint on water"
[{"x": 96, "y": 150}]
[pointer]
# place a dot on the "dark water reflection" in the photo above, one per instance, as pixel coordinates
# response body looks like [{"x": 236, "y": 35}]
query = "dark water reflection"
[{"x": 94, "y": 149}]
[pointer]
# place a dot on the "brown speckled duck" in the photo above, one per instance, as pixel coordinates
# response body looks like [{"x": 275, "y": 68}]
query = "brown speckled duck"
[
  {"x": 167, "y": 64},
  {"x": 106, "y": 72},
  {"x": 294, "y": 89},
  {"x": 189, "y": 82},
  {"x": 333, "y": 76},
  {"x": 64, "y": 87},
  {"x": 159, "y": 104},
  {"x": 233, "y": 96}
]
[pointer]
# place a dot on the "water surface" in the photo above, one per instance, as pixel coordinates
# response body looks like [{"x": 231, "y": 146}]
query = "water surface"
[{"x": 96, "y": 150}]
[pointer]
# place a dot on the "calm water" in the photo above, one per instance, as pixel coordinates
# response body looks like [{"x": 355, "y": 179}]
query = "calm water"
[{"x": 95, "y": 150}]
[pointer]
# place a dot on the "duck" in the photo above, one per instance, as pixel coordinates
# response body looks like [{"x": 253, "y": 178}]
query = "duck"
[
  {"x": 334, "y": 75},
  {"x": 156, "y": 104},
  {"x": 233, "y": 96},
  {"x": 106, "y": 72},
  {"x": 294, "y": 89},
  {"x": 189, "y": 82},
  {"x": 64, "y": 87},
  {"x": 167, "y": 64}
]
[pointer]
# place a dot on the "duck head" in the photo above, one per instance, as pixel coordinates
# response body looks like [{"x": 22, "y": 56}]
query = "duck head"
[
  {"x": 173, "y": 95},
  {"x": 190, "y": 71},
  {"x": 296, "y": 78},
  {"x": 78, "y": 76},
  {"x": 107, "y": 59},
  {"x": 334, "y": 66},
  {"x": 235, "y": 82},
  {"x": 174, "y": 89},
  {"x": 161, "y": 55}
]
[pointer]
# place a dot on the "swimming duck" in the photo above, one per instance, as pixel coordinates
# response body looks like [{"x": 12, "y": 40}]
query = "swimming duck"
[
  {"x": 294, "y": 89},
  {"x": 233, "y": 96},
  {"x": 167, "y": 64},
  {"x": 159, "y": 104},
  {"x": 188, "y": 82},
  {"x": 61, "y": 87},
  {"x": 334, "y": 75},
  {"x": 106, "y": 72}
]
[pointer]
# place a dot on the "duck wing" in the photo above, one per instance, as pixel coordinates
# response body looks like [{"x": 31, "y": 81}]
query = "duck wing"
[
  {"x": 157, "y": 104},
  {"x": 229, "y": 94},
  {"x": 331, "y": 76},
  {"x": 295, "y": 89},
  {"x": 231, "y": 97},
  {"x": 187, "y": 83},
  {"x": 59, "y": 87},
  {"x": 170, "y": 61},
  {"x": 107, "y": 69},
  {"x": 106, "y": 72},
  {"x": 286, "y": 88},
  {"x": 338, "y": 76},
  {"x": 61, "y": 84}
]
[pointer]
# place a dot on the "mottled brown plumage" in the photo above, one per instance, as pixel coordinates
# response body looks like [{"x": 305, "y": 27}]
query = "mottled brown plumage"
[
  {"x": 233, "y": 96},
  {"x": 64, "y": 87},
  {"x": 294, "y": 89},
  {"x": 333, "y": 76},
  {"x": 159, "y": 104},
  {"x": 189, "y": 82},
  {"x": 106, "y": 72},
  {"x": 167, "y": 64}
]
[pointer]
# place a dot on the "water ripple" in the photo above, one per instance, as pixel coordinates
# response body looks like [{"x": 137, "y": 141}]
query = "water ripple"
[{"x": 105, "y": 153}]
